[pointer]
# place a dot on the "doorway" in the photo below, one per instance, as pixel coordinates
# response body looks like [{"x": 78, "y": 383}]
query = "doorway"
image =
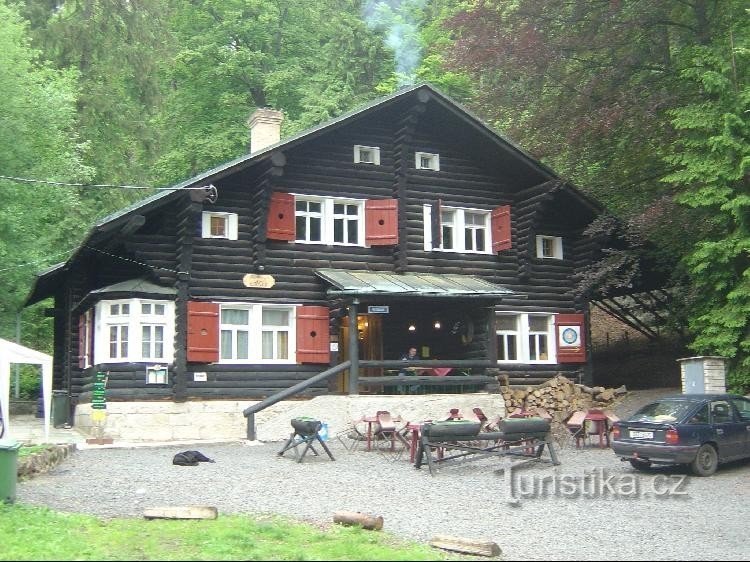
[{"x": 370, "y": 345}]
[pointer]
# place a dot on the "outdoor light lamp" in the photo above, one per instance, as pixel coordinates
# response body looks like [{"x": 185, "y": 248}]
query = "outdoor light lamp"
[
  {"x": 412, "y": 328},
  {"x": 437, "y": 324}
]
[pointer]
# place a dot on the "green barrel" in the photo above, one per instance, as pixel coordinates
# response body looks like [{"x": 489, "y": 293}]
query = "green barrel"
[{"x": 8, "y": 469}]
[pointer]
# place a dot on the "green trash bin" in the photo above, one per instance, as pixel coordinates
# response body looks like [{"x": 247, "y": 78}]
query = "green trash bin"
[
  {"x": 60, "y": 408},
  {"x": 8, "y": 469}
]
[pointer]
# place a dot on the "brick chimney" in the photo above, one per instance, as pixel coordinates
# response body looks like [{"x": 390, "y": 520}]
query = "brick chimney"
[{"x": 265, "y": 128}]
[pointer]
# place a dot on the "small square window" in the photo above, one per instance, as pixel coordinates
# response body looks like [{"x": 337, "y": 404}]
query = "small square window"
[
  {"x": 156, "y": 375},
  {"x": 427, "y": 161},
  {"x": 219, "y": 225},
  {"x": 549, "y": 247},
  {"x": 366, "y": 155}
]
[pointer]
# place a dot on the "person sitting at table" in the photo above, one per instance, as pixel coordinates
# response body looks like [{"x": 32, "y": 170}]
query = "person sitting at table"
[{"x": 410, "y": 355}]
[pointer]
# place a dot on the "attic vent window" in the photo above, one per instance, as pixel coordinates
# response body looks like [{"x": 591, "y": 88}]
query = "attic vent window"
[
  {"x": 366, "y": 155},
  {"x": 219, "y": 225},
  {"x": 549, "y": 247},
  {"x": 427, "y": 161}
]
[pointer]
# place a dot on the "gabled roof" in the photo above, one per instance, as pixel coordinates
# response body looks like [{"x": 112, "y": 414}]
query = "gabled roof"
[{"x": 46, "y": 280}]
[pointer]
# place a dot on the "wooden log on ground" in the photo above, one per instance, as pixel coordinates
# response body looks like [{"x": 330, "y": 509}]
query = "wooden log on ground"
[
  {"x": 349, "y": 518},
  {"x": 466, "y": 546},
  {"x": 181, "y": 512}
]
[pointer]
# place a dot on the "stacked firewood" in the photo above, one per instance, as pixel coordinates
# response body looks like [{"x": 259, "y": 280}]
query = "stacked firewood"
[{"x": 558, "y": 396}]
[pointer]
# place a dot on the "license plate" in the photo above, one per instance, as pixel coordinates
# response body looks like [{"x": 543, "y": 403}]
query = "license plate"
[{"x": 641, "y": 434}]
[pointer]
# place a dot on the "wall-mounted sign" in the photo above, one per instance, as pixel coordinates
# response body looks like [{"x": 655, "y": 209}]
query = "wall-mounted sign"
[
  {"x": 379, "y": 309},
  {"x": 255, "y": 281},
  {"x": 570, "y": 336},
  {"x": 200, "y": 377},
  {"x": 334, "y": 346}
]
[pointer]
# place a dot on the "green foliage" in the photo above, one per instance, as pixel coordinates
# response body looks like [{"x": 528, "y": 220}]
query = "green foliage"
[
  {"x": 712, "y": 161},
  {"x": 38, "y": 224},
  {"x": 31, "y": 533}
]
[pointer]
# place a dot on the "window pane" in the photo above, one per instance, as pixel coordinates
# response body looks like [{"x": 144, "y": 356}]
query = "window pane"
[
  {"x": 338, "y": 208},
  {"x": 158, "y": 342},
  {"x": 242, "y": 344},
  {"x": 352, "y": 210},
  {"x": 145, "y": 308},
  {"x": 447, "y": 237},
  {"x": 300, "y": 205},
  {"x": 114, "y": 309},
  {"x": 159, "y": 309},
  {"x": 123, "y": 340},
  {"x": 532, "y": 348},
  {"x": 282, "y": 345},
  {"x": 352, "y": 232},
  {"x": 218, "y": 226},
  {"x": 267, "y": 342},
  {"x": 113, "y": 341},
  {"x": 338, "y": 231},
  {"x": 235, "y": 316},
  {"x": 126, "y": 309},
  {"x": 226, "y": 344},
  {"x": 301, "y": 227},
  {"x": 315, "y": 230},
  {"x": 146, "y": 341},
  {"x": 512, "y": 348},
  {"x": 538, "y": 323},
  {"x": 314, "y": 207},
  {"x": 480, "y": 245},
  {"x": 275, "y": 317},
  {"x": 446, "y": 217},
  {"x": 506, "y": 323}
]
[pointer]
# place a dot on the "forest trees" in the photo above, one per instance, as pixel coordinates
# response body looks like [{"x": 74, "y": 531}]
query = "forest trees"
[{"x": 39, "y": 140}]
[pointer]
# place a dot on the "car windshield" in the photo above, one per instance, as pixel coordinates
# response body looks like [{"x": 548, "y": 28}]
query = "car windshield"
[{"x": 664, "y": 411}]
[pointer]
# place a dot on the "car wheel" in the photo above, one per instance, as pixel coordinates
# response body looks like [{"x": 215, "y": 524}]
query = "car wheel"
[
  {"x": 639, "y": 464},
  {"x": 706, "y": 461}
]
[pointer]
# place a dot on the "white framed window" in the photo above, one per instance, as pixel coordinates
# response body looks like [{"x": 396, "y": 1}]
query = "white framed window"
[
  {"x": 549, "y": 247},
  {"x": 461, "y": 230},
  {"x": 133, "y": 330},
  {"x": 367, "y": 155},
  {"x": 219, "y": 225},
  {"x": 427, "y": 161},
  {"x": 254, "y": 333},
  {"x": 525, "y": 338},
  {"x": 332, "y": 220}
]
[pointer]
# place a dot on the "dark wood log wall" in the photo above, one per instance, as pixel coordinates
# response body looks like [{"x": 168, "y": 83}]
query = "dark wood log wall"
[{"x": 324, "y": 167}]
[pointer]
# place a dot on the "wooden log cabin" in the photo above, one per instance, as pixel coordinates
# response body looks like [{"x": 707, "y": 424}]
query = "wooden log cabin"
[{"x": 408, "y": 221}]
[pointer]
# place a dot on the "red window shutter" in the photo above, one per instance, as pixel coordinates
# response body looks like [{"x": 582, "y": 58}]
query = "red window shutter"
[
  {"x": 203, "y": 332},
  {"x": 501, "y": 229},
  {"x": 570, "y": 337},
  {"x": 281, "y": 222},
  {"x": 312, "y": 335},
  {"x": 381, "y": 222}
]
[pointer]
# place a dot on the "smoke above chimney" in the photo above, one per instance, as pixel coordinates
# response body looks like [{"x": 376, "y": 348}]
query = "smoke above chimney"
[{"x": 399, "y": 19}]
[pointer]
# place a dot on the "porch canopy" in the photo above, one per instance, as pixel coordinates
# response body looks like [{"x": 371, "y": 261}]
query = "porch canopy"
[
  {"x": 383, "y": 284},
  {"x": 14, "y": 353}
]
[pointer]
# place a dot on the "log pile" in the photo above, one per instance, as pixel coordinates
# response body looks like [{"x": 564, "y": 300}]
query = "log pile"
[{"x": 559, "y": 396}]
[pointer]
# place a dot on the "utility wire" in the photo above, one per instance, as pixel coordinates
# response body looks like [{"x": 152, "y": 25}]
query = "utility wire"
[{"x": 66, "y": 184}]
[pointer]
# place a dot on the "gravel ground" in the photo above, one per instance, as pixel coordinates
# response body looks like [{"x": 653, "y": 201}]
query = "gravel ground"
[{"x": 591, "y": 507}]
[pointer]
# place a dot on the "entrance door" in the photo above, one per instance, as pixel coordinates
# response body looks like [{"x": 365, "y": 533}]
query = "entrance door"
[{"x": 370, "y": 339}]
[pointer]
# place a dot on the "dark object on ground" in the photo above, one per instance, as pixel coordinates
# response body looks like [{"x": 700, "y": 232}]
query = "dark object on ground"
[
  {"x": 698, "y": 430},
  {"x": 190, "y": 458}
]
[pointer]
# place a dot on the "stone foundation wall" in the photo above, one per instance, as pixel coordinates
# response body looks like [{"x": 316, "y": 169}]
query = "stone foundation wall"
[{"x": 222, "y": 420}]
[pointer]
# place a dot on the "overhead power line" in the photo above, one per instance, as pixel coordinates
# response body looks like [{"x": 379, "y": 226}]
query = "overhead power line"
[{"x": 67, "y": 184}]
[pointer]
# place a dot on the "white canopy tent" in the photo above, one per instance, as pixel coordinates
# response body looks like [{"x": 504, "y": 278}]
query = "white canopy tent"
[{"x": 14, "y": 353}]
